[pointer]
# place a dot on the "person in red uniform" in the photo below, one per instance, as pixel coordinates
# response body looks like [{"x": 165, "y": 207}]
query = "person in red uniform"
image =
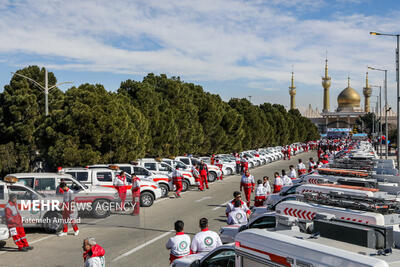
[
  {"x": 14, "y": 224},
  {"x": 247, "y": 183},
  {"x": 69, "y": 212},
  {"x": 177, "y": 180},
  {"x": 93, "y": 254},
  {"x": 212, "y": 160},
  {"x": 135, "y": 194},
  {"x": 288, "y": 152},
  {"x": 219, "y": 164},
  {"x": 237, "y": 161},
  {"x": 204, "y": 174},
  {"x": 197, "y": 178},
  {"x": 121, "y": 186}
]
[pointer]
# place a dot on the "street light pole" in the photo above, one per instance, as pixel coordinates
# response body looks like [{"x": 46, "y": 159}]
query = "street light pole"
[
  {"x": 46, "y": 88},
  {"x": 386, "y": 105},
  {"x": 398, "y": 92},
  {"x": 380, "y": 118}
]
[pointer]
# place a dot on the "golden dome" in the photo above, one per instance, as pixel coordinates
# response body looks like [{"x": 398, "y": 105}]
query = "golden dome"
[{"x": 349, "y": 97}]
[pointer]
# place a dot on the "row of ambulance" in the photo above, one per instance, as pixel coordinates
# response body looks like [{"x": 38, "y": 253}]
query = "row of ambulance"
[
  {"x": 346, "y": 213},
  {"x": 94, "y": 185}
]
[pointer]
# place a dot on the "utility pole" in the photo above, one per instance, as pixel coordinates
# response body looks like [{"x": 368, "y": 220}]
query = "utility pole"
[{"x": 46, "y": 88}]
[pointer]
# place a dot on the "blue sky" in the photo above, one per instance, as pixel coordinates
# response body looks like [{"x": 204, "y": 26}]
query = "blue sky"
[{"x": 235, "y": 48}]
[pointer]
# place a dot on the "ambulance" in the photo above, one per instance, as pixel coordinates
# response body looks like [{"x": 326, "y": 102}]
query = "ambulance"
[
  {"x": 289, "y": 248},
  {"x": 213, "y": 171},
  {"x": 156, "y": 166},
  {"x": 163, "y": 180},
  {"x": 149, "y": 190},
  {"x": 50, "y": 219}
]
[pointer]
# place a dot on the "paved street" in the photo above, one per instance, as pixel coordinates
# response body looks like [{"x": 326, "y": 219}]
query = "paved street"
[{"x": 132, "y": 241}]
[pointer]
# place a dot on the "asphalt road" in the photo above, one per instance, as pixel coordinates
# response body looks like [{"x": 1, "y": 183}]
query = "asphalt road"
[{"x": 138, "y": 241}]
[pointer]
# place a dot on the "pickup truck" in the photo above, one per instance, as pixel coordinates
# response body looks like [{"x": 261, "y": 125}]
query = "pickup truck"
[
  {"x": 46, "y": 184},
  {"x": 158, "y": 167},
  {"x": 213, "y": 171},
  {"x": 49, "y": 220},
  {"x": 149, "y": 190}
]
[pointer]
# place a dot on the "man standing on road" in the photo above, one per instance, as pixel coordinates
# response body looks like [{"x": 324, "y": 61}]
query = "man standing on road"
[
  {"x": 120, "y": 185},
  {"x": 301, "y": 168},
  {"x": 135, "y": 194},
  {"x": 311, "y": 165},
  {"x": 93, "y": 254},
  {"x": 197, "y": 177},
  {"x": 247, "y": 183},
  {"x": 205, "y": 240},
  {"x": 14, "y": 224},
  {"x": 278, "y": 183},
  {"x": 178, "y": 244},
  {"x": 260, "y": 195},
  {"x": 229, "y": 206},
  {"x": 237, "y": 161},
  {"x": 177, "y": 180},
  {"x": 237, "y": 215},
  {"x": 212, "y": 160},
  {"x": 219, "y": 164},
  {"x": 204, "y": 174},
  {"x": 69, "y": 212}
]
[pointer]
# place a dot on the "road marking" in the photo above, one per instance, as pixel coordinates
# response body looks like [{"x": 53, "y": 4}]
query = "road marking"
[
  {"x": 220, "y": 205},
  {"x": 41, "y": 239},
  {"x": 142, "y": 246},
  {"x": 203, "y": 198}
]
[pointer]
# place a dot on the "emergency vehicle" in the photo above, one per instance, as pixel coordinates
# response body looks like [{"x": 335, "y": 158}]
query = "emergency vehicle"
[
  {"x": 228, "y": 167},
  {"x": 213, "y": 171},
  {"x": 149, "y": 190},
  {"x": 267, "y": 220},
  {"x": 290, "y": 248},
  {"x": 163, "y": 180},
  {"x": 50, "y": 219},
  {"x": 220, "y": 256},
  {"x": 159, "y": 167},
  {"x": 4, "y": 233},
  {"x": 47, "y": 184}
]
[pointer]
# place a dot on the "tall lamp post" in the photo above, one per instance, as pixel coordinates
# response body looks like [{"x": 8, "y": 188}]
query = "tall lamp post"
[
  {"x": 380, "y": 116},
  {"x": 398, "y": 91},
  {"x": 386, "y": 105},
  {"x": 46, "y": 88}
]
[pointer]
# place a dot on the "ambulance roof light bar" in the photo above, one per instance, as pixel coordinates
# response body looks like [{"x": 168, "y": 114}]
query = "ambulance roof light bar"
[{"x": 10, "y": 179}]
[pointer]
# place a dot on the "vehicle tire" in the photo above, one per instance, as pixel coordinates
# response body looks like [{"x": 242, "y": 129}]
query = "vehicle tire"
[
  {"x": 251, "y": 165},
  {"x": 52, "y": 222},
  {"x": 212, "y": 176},
  {"x": 146, "y": 199},
  {"x": 185, "y": 185},
  {"x": 97, "y": 211},
  {"x": 230, "y": 171},
  {"x": 2, "y": 243},
  {"x": 164, "y": 190}
]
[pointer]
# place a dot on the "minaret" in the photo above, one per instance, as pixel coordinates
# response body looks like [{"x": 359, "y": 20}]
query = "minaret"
[
  {"x": 367, "y": 93},
  {"x": 292, "y": 93},
  {"x": 326, "y": 83}
]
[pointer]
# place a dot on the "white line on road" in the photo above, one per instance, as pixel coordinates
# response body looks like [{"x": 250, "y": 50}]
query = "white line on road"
[
  {"x": 203, "y": 198},
  {"x": 220, "y": 205},
  {"x": 142, "y": 246}
]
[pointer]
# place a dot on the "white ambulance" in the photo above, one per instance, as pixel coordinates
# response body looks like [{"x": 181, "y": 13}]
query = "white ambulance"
[
  {"x": 149, "y": 190},
  {"x": 257, "y": 247}
]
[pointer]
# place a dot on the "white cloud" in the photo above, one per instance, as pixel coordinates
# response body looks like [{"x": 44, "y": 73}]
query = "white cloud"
[{"x": 199, "y": 40}]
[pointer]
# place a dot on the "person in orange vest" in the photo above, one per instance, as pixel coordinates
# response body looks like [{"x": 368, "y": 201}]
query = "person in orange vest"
[
  {"x": 121, "y": 186},
  {"x": 247, "y": 183},
  {"x": 135, "y": 194},
  {"x": 14, "y": 224},
  {"x": 177, "y": 180}
]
